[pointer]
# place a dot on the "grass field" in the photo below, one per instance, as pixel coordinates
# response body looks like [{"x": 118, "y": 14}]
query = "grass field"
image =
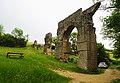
[{"x": 33, "y": 68}]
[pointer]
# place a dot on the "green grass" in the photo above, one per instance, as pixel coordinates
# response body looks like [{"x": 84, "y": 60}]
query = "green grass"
[{"x": 33, "y": 68}]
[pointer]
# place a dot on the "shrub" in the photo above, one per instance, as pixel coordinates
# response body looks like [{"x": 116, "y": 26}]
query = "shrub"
[
  {"x": 10, "y": 41},
  {"x": 118, "y": 68},
  {"x": 102, "y": 56},
  {"x": 115, "y": 62},
  {"x": 7, "y": 40},
  {"x": 115, "y": 81}
]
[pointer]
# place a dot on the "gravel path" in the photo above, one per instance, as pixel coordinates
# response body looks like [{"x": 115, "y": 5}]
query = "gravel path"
[{"x": 106, "y": 77}]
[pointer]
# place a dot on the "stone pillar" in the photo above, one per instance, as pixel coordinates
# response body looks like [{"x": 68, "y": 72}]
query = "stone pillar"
[
  {"x": 58, "y": 50},
  {"x": 48, "y": 44},
  {"x": 87, "y": 48},
  {"x": 61, "y": 48},
  {"x": 92, "y": 59},
  {"x": 66, "y": 50}
]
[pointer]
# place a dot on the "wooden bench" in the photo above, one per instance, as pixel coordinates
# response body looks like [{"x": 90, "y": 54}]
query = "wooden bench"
[{"x": 14, "y": 54}]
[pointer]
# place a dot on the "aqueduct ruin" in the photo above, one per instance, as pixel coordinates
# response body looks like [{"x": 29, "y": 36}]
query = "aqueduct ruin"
[{"x": 86, "y": 39}]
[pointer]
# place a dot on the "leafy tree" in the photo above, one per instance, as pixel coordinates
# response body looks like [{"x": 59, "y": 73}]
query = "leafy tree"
[
  {"x": 7, "y": 40},
  {"x": 54, "y": 40},
  {"x": 17, "y": 33},
  {"x": 102, "y": 56},
  {"x": 1, "y": 30},
  {"x": 73, "y": 39},
  {"x": 111, "y": 26},
  {"x": 16, "y": 39}
]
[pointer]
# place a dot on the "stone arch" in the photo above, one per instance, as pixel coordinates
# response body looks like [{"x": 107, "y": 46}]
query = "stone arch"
[{"x": 86, "y": 40}]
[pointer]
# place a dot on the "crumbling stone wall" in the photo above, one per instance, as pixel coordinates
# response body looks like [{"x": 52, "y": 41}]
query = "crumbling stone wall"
[
  {"x": 48, "y": 44},
  {"x": 86, "y": 39}
]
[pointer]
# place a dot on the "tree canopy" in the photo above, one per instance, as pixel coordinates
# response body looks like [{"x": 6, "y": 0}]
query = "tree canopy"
[
  {"x": 111, "y": 26},
  {"x": 16, "y": 39},
  {"x": 73, "y": 40},
  {"x": 17, "y": 32}
]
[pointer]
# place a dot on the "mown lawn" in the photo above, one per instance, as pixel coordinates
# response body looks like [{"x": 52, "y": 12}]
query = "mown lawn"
[{"x": 33, "y": 68}]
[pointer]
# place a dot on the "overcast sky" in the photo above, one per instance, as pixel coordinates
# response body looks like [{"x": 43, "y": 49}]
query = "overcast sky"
[{"x": 38, "y": 17}]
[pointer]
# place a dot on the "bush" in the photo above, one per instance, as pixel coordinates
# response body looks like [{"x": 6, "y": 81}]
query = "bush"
[
  {"x": 10, "y": 41},
  {"x": 118, "y": 68},
  {"x": 102, "y": 56},
  {"x": 116, "y": 62},
  {"x": 116, "y": 81},
  {"x": 21, "y": 42},
  {"x": 7, "y": 40}
]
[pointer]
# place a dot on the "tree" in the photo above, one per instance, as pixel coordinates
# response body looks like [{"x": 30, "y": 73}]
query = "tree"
[
  {"x": 106, "y": 4},
  {"x": 54, "y": 40},
  {"x": 17, "y": 33},
  {"x": 111, "y": 26},
  {"x": 7, "y": 40},
  {"x": 16, "y": 39},
  {"x": 1, "y": 30},
  {"x": 20, "y": 39},
  {"x": 73, "y": 39},
  {"x": 102, "y": 56}
]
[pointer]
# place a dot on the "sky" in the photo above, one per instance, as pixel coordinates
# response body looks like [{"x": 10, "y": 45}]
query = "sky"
[{"x": 39, "y": 17}]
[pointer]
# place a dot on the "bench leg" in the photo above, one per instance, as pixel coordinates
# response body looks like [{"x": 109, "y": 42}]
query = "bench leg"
[
  {"x": 7, "y": 55},
  {"x": 21, "y": 56}
]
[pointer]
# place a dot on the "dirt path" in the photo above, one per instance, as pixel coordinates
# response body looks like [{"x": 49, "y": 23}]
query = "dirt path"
[{"x": 87, "y": 78}]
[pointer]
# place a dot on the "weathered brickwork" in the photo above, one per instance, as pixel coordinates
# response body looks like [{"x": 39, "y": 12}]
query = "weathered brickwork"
[
  {"x": 48, "y": 44},
  {"x": 86, "y": 39}
]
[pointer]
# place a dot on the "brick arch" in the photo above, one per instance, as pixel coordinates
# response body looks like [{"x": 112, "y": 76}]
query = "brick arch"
[
  {"x": 67, "y": 33},
  {"x": 86, "y": 40}
]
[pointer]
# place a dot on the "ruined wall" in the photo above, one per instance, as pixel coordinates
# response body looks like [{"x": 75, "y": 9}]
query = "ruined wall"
[
  {"x": 86, "y": 39},
  {"x": 48, "y": 44}
]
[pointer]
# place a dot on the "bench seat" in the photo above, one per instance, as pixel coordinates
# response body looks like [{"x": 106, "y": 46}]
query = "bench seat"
[{"x": 14, "y": 54}]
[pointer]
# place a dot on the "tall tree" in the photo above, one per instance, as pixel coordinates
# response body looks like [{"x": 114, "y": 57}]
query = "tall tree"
[
  {"x": 111, "y": 26},
  {"x": 1, "y": 30},
  {"x": 17, "y": 33}
]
